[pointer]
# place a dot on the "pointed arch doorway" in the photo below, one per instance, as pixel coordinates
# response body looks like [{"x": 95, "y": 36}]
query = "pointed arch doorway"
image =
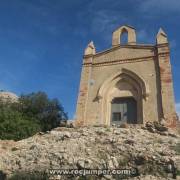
[{"x": 122, "y": 98}]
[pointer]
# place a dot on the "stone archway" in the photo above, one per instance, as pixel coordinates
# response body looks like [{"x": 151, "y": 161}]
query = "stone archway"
[{"x": 124, "y": 84}]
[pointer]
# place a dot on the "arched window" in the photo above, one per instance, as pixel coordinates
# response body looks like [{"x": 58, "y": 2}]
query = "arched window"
[{"x": 124, "y": 37}]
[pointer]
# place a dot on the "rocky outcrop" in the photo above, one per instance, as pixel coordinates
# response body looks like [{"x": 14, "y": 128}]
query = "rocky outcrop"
[
  {"x": 8, "y": 96},
  {"x": 153, "y": 155}
]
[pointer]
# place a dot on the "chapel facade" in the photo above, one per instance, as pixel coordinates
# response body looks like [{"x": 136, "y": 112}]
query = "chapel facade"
[{"x": 128, "y": 83}]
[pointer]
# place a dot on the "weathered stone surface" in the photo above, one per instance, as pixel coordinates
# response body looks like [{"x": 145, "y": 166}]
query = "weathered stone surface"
[
  {"x": 94, "y": 147},
  {"x": 137, "y": 71}
]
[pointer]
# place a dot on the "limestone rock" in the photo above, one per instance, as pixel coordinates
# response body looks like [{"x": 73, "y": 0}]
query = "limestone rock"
[{"x": 93, "y": 148}]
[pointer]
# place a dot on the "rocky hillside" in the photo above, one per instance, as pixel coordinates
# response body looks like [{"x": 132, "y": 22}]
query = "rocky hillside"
[{"x": 153, "y": 152}]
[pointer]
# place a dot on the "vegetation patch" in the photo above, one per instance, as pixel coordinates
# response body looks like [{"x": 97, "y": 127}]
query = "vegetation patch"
[
  {"x": 176, "y": 148},
  {"x": 14, "y": 149},
  {"x": 32, "y": 113},
  {"x": 29, "y": 176}
]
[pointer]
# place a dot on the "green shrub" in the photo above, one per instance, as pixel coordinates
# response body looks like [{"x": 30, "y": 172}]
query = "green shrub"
[
  {"x": 14, "y": 125},
  {"x": 33, "y": 113},
  {"x": 177, "y": 148},
  {"x": 29, "y": 176}
]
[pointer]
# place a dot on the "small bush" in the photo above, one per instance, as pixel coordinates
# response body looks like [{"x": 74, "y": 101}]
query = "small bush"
[
  {"x": 108, "y": 129},
  {"x": 14, "y": 149},
  {"x": 29, "y": 176},
  {"x": 2, "y": 175},
  {"x": 159, "y": 141},
  {"x": 176, "y": 148},
  {"x": 178, "y": 172},
  {"x": 123, "y": 161}
]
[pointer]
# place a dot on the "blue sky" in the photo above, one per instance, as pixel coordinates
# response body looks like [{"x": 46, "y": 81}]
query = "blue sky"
[{"x": 42, "y": 41}]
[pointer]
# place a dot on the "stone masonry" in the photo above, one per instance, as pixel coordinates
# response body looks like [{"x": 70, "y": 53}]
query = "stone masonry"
[{"x": 127, "y": 81}]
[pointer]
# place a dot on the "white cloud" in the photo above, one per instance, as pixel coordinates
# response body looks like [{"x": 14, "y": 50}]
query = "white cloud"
[
  {"x": 160, "y": 6},
  {"x": 103, "y": 20},
  {"x": 178, "y": 108}
]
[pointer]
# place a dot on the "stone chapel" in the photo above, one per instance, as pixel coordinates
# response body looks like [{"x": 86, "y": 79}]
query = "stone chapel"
[{"x": 127, "y": 83}]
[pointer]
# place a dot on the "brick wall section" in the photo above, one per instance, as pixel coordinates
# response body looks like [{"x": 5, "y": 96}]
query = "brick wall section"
[
  {"x": 151, "y": 63},
  {"x": 167, "y": 92},
  {"x": 83, "y": 92}
]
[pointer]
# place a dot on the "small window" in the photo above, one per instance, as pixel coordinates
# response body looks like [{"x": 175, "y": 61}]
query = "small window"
[
  {"x": 124, "y": 37},
  {"x": 116, "y": 116}
]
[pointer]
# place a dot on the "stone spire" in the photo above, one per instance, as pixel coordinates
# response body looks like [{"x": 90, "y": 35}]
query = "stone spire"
[
  {"x": 90, "y": 50},
  {"x": 161, "y": 37}
]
